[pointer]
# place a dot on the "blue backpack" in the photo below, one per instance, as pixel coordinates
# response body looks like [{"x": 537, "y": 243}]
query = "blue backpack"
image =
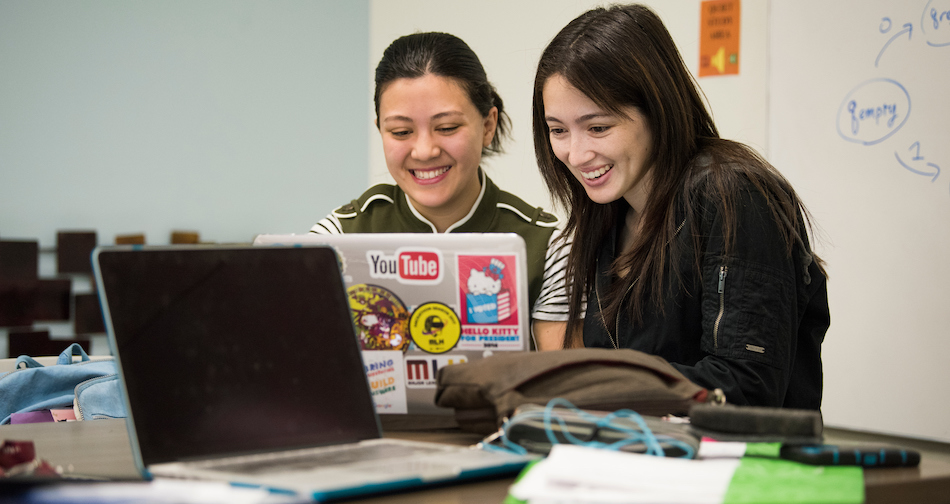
[{"x": 93, "y": 385}]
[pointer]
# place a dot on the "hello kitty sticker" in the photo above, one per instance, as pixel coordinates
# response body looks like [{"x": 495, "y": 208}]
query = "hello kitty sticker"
[{"x": 488, "y": 302}]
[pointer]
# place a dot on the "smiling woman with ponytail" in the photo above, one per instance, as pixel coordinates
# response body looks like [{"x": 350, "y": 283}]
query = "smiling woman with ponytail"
[{"x": 438, "y": 115}]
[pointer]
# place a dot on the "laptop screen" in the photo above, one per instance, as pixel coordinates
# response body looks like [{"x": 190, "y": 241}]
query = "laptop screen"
[{"x": 234, "y": 350}]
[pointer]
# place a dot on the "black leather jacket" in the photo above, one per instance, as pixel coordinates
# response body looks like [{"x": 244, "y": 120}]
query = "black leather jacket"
[{"x": 750, "y": 323}]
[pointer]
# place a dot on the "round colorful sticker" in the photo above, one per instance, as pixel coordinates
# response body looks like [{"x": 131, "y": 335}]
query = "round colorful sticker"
[
  {"x": 381, "y": 318},
  {"x": 435, "y": 328}
]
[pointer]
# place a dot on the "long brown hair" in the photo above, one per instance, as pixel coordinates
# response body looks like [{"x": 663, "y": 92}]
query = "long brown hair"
[{"x": 623, "y": 56}]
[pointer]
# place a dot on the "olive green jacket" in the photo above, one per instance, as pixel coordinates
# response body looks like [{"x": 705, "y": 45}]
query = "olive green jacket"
[{"x": 384, "y": 208}]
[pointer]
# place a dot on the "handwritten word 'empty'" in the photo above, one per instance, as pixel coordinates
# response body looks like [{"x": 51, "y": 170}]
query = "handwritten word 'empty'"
[
  {"x": 857, "y": 115},
  {"x": 873, "y": 111}
]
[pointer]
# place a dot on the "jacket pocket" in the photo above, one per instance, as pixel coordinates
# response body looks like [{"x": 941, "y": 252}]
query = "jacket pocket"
[
  {"x": 748, "y": 312},
  {"x": 99, "y": 398}
]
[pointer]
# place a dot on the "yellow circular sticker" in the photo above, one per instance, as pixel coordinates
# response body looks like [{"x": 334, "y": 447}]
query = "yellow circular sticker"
[
  {"x": 380, "y": 317},
  {"x": 435, "y": 328}
]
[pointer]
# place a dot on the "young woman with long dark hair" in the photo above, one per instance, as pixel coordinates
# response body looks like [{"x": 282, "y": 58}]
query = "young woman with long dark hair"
[{"x": 698, "y": 248}]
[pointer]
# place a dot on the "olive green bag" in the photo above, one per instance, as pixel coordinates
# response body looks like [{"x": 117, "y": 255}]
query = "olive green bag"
[{"x": 485, "y": 392}]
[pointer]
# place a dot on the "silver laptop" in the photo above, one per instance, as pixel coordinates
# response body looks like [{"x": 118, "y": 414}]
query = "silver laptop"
[
  {"x": 424, "y": 301},
  {"x": 242, "y": 364}
]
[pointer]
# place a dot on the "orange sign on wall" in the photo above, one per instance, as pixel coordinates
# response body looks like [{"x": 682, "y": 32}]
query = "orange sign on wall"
[{"x": 719, "y": 24}]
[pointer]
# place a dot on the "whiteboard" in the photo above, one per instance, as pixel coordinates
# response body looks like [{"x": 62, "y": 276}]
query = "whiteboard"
[{"x": 859, "y": 121}]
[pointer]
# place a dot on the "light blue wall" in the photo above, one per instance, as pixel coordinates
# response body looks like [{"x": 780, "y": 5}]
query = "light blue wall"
[{"x": 227, "y": 117}]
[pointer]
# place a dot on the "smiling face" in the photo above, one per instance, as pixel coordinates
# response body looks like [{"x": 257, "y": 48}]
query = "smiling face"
[
  {"x": 607, "y": 153},
  {"x": 432, "y": 139}
]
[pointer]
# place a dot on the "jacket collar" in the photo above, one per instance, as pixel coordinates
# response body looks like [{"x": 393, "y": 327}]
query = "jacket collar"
[{"x": 478, "y": 213}]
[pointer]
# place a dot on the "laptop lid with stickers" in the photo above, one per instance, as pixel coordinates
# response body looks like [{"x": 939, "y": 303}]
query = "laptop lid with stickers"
[
  {"x": 424, "y": 301},
  {"x": 242, "y": 364}
]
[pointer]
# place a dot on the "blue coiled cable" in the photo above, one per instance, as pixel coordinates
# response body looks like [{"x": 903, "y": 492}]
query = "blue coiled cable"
[{"x": 553, "y": 422}]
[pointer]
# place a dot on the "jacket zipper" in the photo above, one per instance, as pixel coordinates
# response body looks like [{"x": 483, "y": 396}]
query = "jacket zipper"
[{"x": 723, "y": 270}]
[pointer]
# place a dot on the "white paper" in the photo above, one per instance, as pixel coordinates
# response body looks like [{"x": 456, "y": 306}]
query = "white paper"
[
  {"x": 720, "y": 449},
  {"x": 574, "y": 474},
  {"x": 158, "y": 491}
]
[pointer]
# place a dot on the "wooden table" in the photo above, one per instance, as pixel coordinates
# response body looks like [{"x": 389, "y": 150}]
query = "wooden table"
[{"x": 101, "y": 448}]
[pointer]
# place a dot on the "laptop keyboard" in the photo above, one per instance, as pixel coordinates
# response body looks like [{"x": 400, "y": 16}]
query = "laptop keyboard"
[{"x": 315, "y": 458}]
